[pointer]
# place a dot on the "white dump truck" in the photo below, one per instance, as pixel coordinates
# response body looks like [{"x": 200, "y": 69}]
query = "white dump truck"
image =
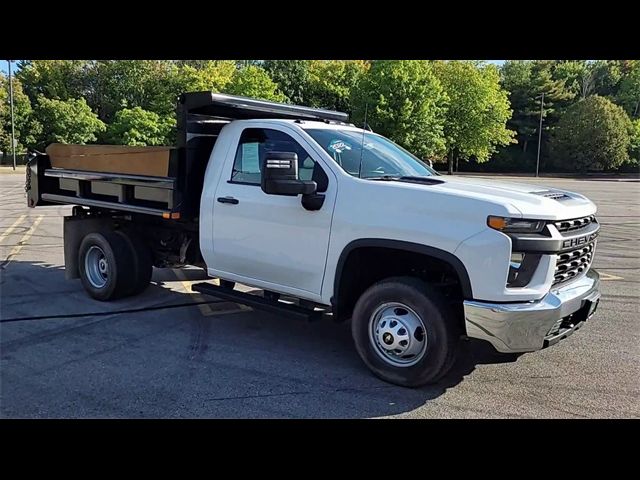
[{"x": 328, "y": 219}]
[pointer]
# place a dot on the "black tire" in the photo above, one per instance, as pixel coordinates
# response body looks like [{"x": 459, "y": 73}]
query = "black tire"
[
  {"x": 269, "y": 295},
  {"x": 227, "y": 284},
  {"x": 439, "y": 322},
  {"x": 143, "y": 261},
  {"x": 119, "y": 260}
]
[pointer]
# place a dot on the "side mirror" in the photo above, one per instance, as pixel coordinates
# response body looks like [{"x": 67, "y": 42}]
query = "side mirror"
[{"x": 280, "y": 175}]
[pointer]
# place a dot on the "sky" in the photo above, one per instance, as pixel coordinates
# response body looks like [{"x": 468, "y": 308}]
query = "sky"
[{"x": 4, "y": 67}]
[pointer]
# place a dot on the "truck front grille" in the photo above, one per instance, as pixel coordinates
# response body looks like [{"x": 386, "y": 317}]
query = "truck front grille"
[
  {"x": 573, "y": 263},
  {"x": 574, "y": 224}
]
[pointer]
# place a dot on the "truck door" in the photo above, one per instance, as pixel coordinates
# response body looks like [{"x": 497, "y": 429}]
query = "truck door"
[{"x": 271, "y": 240}]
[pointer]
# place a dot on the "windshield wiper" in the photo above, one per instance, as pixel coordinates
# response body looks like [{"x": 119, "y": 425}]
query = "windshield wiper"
[
  {"x": 383, "y": 177},
  {"x": 429, "y": 180}
]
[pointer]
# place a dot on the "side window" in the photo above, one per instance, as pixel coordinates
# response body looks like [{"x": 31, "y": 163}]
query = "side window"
[
  {"x": 256, "y": 142},
  {"x": 246, "y": 166}
]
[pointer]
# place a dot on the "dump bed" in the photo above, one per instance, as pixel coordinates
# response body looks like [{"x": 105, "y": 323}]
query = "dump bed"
[
  {"x": 161, "y": 181},
  {"x": 133, "y": 179}
]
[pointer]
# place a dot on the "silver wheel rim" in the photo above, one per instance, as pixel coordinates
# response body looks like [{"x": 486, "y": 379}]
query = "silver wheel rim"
[
  {"x": 397, "y": 334},
  {"x": 96, "y": 267}
]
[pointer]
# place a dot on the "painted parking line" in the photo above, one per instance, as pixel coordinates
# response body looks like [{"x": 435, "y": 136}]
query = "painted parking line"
[
  {"x": 608, "y": 276},
  {"x": 186, "y": 285},
  {"x": 9, "y": 230},
  {"x": 208, "y": 310},
  {"x": 23, "y": 241}
]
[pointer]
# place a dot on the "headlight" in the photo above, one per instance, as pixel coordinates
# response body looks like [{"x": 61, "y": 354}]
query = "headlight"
[{"x": 515, "y": 225}]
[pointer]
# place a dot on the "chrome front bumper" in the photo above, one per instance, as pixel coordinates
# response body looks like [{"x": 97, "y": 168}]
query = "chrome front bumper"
[{"x": 524, "y": 327}]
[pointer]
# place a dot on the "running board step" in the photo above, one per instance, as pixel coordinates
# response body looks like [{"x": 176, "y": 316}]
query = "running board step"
[{"x": 254, "y": 301}]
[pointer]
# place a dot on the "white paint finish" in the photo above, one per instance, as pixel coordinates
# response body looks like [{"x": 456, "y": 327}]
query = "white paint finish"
[
  {"x": 271, "y": 242},
  {"x": 270, "y": 238},
  {"x": 292, "y": 291},
  {"x": 418, "y": 214},
  {"x": 516, "y": 197},
  {"x": 227, "y": 139},
  {"x": 521, "y": 197},
  {"x": 486, "y": 257}
]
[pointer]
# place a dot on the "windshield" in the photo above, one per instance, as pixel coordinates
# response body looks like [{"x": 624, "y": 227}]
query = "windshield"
[{"x": 380, "y": 156}]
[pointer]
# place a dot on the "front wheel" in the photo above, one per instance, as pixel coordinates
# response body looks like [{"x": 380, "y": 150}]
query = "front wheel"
[{"x": 404, "y": 332}]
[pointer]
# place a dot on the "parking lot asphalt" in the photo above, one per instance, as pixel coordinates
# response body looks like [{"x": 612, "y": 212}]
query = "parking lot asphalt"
[{"x": 64, "y": 355}]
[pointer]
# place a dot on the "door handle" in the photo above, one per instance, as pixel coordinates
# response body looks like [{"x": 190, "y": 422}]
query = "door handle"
[{"x": 231, "y": 200}]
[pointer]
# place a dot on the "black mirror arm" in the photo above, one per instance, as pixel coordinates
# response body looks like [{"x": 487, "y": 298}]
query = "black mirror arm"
[
  {"x": 291, "y": 187},
  {"x": 309, "y": 187}
]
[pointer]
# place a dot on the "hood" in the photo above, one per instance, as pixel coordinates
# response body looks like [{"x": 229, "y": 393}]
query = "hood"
[{"x": 532, "y": 201}]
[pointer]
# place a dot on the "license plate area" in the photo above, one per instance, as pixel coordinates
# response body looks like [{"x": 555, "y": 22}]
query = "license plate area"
[
  {"x": 569, "y": 324},
  {"x": 592, "y": 307}
]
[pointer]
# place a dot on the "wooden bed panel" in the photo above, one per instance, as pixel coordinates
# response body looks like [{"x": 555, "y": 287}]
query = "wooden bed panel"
[{"x": 151, "y": 161}]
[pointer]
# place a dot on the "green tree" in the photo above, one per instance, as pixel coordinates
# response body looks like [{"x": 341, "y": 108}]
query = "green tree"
[
  {"x": 26, "y": 127},
  {"x": 629, "y": 93},
  {"x": 606, "y": 76},
  {"x": 516, "y": 79},
  {"x": 404, "y": 101},
  {"x": 526, "y": 81},
  {"x": 67, "y": 121},
  {"x": 592, "y": 134},
  {"x": 254, "y": 82},
  {"x": 5, "y": 127},
  {"x": 213, "y": 75},
  {"x": 330, "y": 83},
  {"x": 59, "y": 79},
  {"x": 110, "y": 85},
  {"x": 634, "y": 143},
  {"x": 149, "y": 84},
  {"x": 584, "y": 78},
  {"x": 475, "y": 121},
  {"x": 246, "y": 63},
  {"x": 291, "y": 76},
  {"x": 139, "y": 127},
  {"x": 574, "y": 75}
]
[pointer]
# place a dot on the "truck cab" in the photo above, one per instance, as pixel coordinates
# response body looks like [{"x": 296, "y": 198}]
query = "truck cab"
[{"x": 304, "y": 205}]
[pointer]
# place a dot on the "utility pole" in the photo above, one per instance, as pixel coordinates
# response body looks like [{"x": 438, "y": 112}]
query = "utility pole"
[
  {"x": 13, "y": 129},
  {"x": 540, "y": 134}
]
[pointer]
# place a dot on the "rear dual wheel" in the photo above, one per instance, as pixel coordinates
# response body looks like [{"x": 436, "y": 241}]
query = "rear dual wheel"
[
  {"x": 114, "y": 264},
  {"x": 143, "y": 261}
]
